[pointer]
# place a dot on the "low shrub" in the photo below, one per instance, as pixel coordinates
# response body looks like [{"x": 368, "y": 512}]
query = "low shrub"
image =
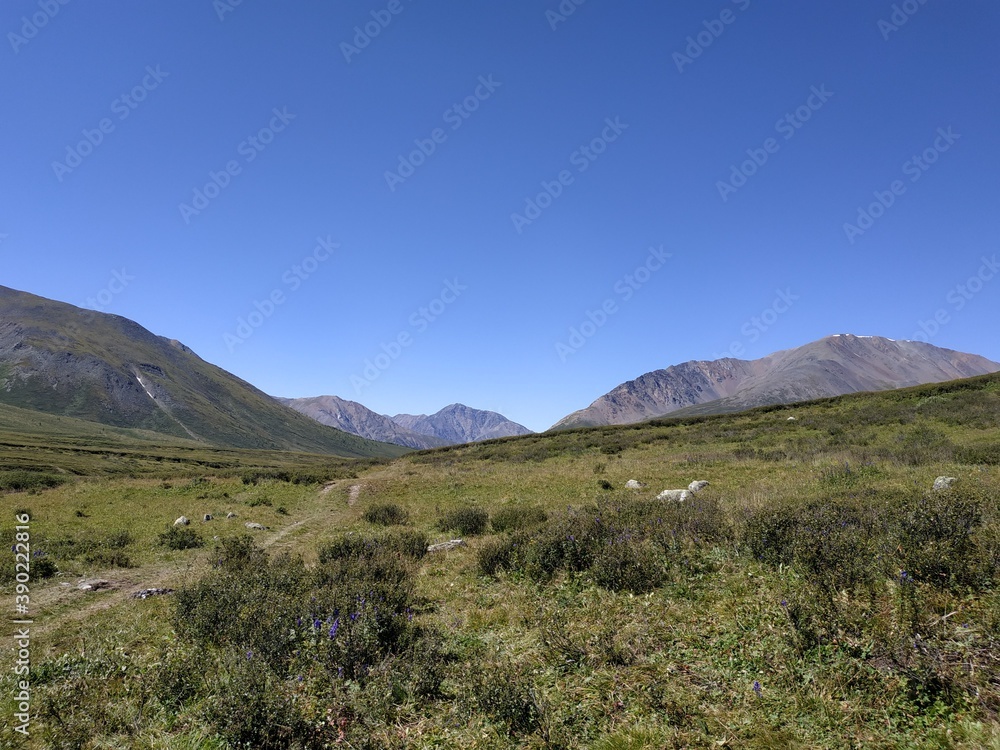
[
  {"x": 628, "y": 565},
  {"x": 514, "y": 518},
  {"x": 505, "y": 693},
  {"x": 21, "y": 480},
  {"x": 179, "y": 538},
  {"x": 467, "y": 521},
  {"x": 386, "y": 514}
]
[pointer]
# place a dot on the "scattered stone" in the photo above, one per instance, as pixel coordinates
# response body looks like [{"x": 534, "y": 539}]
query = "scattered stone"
[
  {"x": 146, "y": 593},
  {"x": 944, "y": 483},
  {"x": 698, "y": 485},
  {"x": 675, "y": 495},
  {"x": 208, "y": 517},
  {"x": 255, "y": 526},
  {"x": 93, "y": 584},
  {"x": 230, "y": 514},
  {"x": 445, "y": 546},
  {"x": 182, "y": 521},
  {"x": 791, "y": 419},
  {"x": 634, "y": 484}
]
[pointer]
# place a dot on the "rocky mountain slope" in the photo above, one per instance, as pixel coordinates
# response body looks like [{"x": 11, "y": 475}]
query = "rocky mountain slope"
[
  {"x": 63, "y": 360},
  {"x": 357, "y": 419},
  {"x": 461, "y": 424},
  {"x": 832, "y": 366}
]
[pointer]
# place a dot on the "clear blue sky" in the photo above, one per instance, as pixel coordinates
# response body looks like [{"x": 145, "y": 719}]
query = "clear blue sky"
[{"x": 183, "y": 90}]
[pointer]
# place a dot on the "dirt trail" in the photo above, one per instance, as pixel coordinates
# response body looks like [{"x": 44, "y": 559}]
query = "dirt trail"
[{"x": 354, "y": 493}]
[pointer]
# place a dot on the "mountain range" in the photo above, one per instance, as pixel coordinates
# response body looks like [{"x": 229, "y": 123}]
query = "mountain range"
[
  {"x": 450, "y": 426},
  {"x": 106, "y": 369},
  {"x": 832, "y": 366}
]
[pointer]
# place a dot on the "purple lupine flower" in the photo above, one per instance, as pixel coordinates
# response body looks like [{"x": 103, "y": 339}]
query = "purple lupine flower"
[
  {"x": 757, "y": 688},
  {"x": 334, "y": 628}
]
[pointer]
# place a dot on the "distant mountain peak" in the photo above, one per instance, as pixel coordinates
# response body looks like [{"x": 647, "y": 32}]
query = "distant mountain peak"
[
  {"x": 832, "y": 366},
  {"x": 458, "y": 423},
  {"x": 452, "y": 425}
]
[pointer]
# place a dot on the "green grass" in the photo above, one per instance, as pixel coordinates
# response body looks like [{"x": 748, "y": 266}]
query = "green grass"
[{"x": 815, "y": 595}]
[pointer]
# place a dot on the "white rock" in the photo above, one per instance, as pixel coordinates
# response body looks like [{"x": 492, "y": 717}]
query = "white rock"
[
  {"x": 634, "y": 484},
  {"x": 676, "y": 495},
  {"x": 944, "y": 483},
  {"x": 255, "y": 526},
  {"x": 791, "y": 419},
  {"x": 445, "y": 546},
  {"x": 182, "y": 521},
  {"x": 698, "y": 485}
]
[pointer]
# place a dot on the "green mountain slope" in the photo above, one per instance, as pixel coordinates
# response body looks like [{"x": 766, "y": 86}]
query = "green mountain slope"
[{"x": 60, "y": 359}]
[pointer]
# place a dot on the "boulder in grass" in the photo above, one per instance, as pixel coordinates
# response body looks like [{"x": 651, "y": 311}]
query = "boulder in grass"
[
  {"x": 230, "y": 514},
  {"x": 698, "y": 485},
  {"x": 675, "y": 495},
  {"x": 944, "y": 483},
  {"x": 207, "y": 517},
  {"x": 255, "y": 526},
  {"x": 182, "y": 521},
  {"x": 445, "y": 546},
  {"x": 634, "y": 484}
]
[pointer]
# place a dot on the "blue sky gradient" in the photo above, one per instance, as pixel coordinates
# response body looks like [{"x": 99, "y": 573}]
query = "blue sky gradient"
[{"x": 503, "y": 204}]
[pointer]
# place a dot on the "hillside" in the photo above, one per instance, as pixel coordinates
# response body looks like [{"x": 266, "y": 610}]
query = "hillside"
[
  {"x": 832, "y": 366},
  {"x": 62, "y": 360}
]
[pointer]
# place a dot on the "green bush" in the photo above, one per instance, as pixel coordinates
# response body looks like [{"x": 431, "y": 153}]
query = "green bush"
[
  {"x": 514, "y": 518},
  {"x": 109, "y": 558},
  {"x": 180, "y": 537},
  {"x": 505, "y": 693},
  {"x": 467, "y": 521},
  {"x": 496, "y": 555},
  {"x": 626, "y": 564},
  {"x": 386, "y": 514},
  {"x": 250, "y": 706},
  {"x": 837, "y": 544},
  {"x": 20, "y": 480},
  {"x": 936, "y": 538}
]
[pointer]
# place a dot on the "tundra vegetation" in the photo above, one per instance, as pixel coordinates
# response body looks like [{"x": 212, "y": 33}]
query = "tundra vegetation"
[{"x": 818, "y": 593}]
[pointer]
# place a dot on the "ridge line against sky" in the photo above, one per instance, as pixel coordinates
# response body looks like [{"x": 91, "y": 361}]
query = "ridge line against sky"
[{"x": 411, "y": 204}]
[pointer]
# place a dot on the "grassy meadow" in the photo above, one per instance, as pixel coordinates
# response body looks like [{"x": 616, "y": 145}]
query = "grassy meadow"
[{"x": 816, "y": 594}]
